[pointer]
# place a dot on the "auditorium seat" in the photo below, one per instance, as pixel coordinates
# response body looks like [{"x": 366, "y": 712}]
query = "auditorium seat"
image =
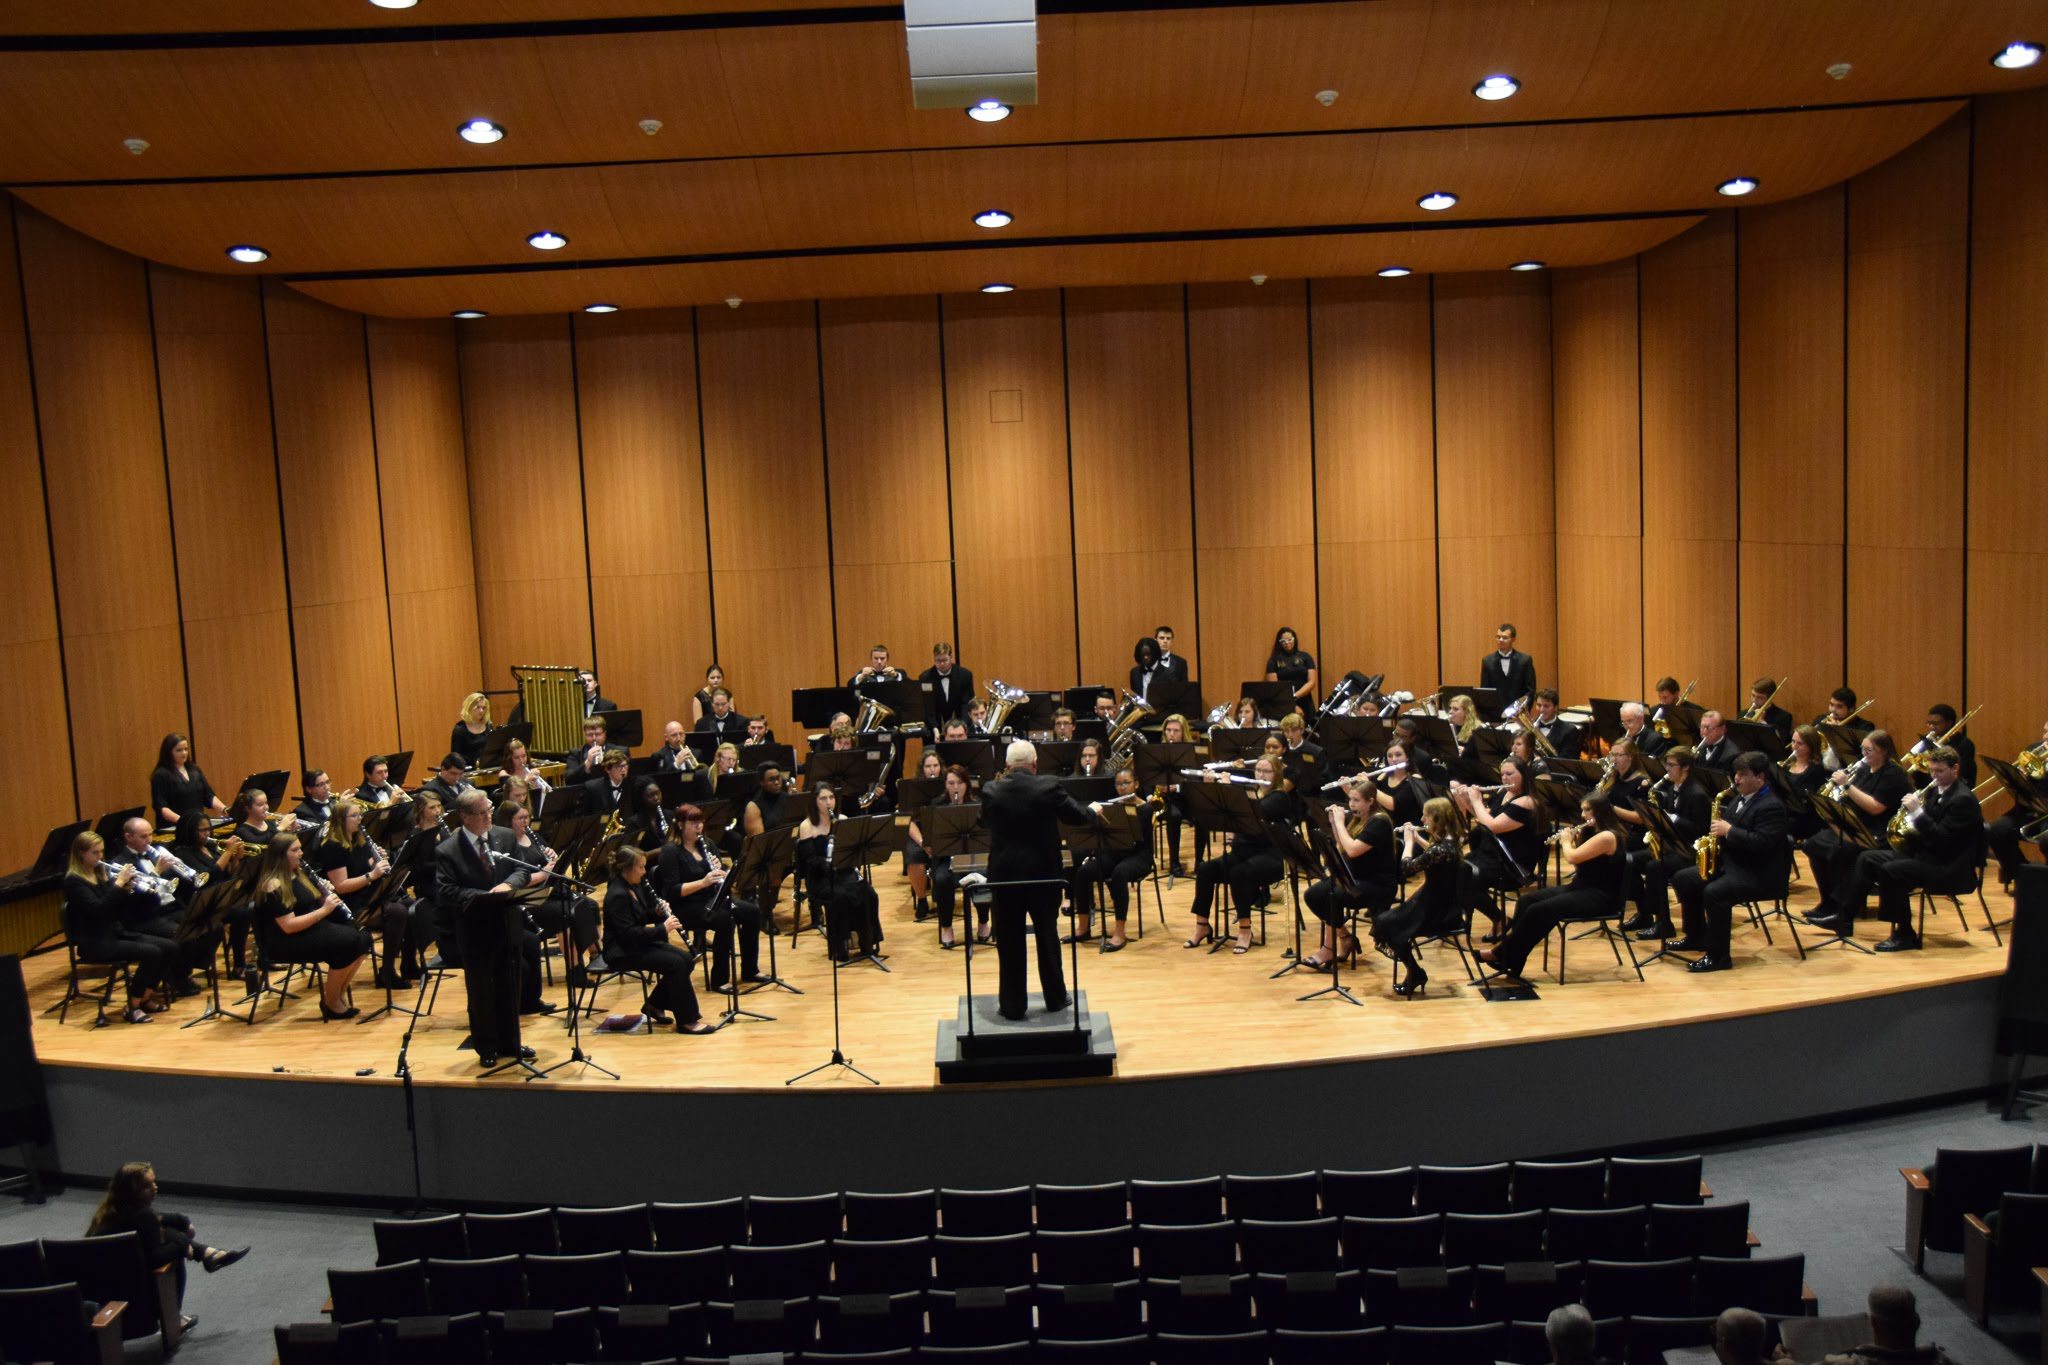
[
  {"x": 750, "y": 1326},
  {"x": 1204, "y": 1304},
  {"x": 111, "y": 1269},
  {"x": 1527, "y": 1344},
  {"x": 1650, "y": 1335},
  {"x": 1169, "y": 1252},
  {"x": 972, "y": 1262},
  {"x": 1319, "y": 1301},
  {"x": 1462, "y": 1189},
  {"x": 386, "y": 1291},
  {"x": 1101, "y": 1255},
  {"x": 861, "y": 1266},
  {"x": 1081, "y": 1208},
  {"x": 777, "y": 1220},
  {"x": 438, "y": 1339},
  {"x": 510, "y": 1234},
  {"x": 317, "y": 1343},
  {"x": 53, "y": 1323},
  {"x": 581, "y": 1232},
  {"x": 489, "y": 1285},
  {"x": 820, "y": 1354},
  {"x": 672, "y": 1277},
  {"x": 419, "y": 1239},
  {"x": 1585, "y": 1234},
  {"x": 1419, "y": 1296},
  {"x": 1179, "y": 1202},
  {"x": 1560, "y": 1184},
  {"x": 1471, "y": 1344},
  {"x": 1249, "y": 1347},
  {"x": 1619, "y": 1288},
  {"x": 1390, "y": 1243},
  {"x": 1999, "y": 1252},
  {"x": 985, "y": 1213},
  {"x": 1089, "y": 1311},
  {"x": 881, "y": 1217},
  {"x": 780, "y": 1272},
  {"x": 563, "y": 1282},
  {"x": 692, "y": 1227},
  {"x": 1698, "y": 1230},
  {"x": 1353, "y": 1345},
  {"x": 1272, "y": 1198},
  {"x": 1127, "y": 1350},
  {"x": 542, "y": 1336},
  {"x": 21, "y": 1265},
  {"x": 1493, "y": 1238},
  {"x": 1294, "y": 1245},
  {"x": 981, "y": 1315},
  {"x": 1654, "y": 1180},
  {"x": 1959, "y": 1181},
  {"x": 1773, "y": 1285},
  {"x": 1369, "y": 1194},
  {"x": 871, "y": 1322},
  {"x": 1020, "y": 1349},
  {"x": 650, "y": 1331},
  {"x": 1525, "y": 1290}
]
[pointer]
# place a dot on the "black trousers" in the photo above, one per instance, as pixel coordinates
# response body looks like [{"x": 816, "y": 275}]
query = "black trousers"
[
  {"x": 1651, "y": 879},
  {"x": 491, "y": 975},
  {"x": 1117, "y": 873},
  {"x": 1712, "y": 904},
  {"x": 2003, "y": 834},
  {"x": 851, "y": 909},
  {"x": 151, "y": 961},
  {"x": 1334, "y": 906},
  {"x": 717, "y": 926},
  {"x": 671, "y": 966},
  {"x": 1834, "y": 868},
  {"x": 1042, "y": 906},
  {"x": 946, "y": 889},
  {"x": 1539, "y": 912},
  {"x": 1248, "y": 874},
  {"x": 1898, "y": 874},
  {"x": 576, "y": 916}
]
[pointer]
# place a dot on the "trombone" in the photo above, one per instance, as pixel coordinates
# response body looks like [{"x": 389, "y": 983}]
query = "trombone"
[{"x": 1756, "y": 712}]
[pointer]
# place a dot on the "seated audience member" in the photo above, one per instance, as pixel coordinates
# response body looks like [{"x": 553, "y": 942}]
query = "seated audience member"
[
  {"x": 1569, "y": 1333},
  {"x": 1739, "y": 1338},
  {"x": 1894, "y": 1329},
  {"x": 168, "y": 1239}
]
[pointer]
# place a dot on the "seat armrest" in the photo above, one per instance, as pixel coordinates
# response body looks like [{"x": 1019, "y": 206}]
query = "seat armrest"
[
  {"x": 169, "y": 1311},
  {"x": 106, "y": 1331},
  {"x": 1980, "y": 1244},
  {"x": 1918, "y": 1190}
]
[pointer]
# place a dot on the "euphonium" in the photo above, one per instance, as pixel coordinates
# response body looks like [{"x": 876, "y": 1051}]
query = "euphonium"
[
  {"x": 1707, "y": 848},
  {"x": 1002, "y": 700},
  {"x": 1543, "y": 746},
  {"x": 2033, "y": 763}
]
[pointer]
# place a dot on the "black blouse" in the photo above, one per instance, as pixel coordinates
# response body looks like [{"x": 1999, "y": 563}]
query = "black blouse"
[
  {"x": 349, "y": 862},
  {"x": 1292, "y": 667},
  {"x": 184, "y": 794},
  {"x": 470, "y": 746}
]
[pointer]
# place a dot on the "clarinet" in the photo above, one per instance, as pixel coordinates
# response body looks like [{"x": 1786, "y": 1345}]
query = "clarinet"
[{"x": 326, "y": 888}]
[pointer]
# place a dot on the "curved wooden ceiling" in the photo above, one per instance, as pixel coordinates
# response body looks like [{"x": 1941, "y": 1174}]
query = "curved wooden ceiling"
[{"x": 328, "y": 135}]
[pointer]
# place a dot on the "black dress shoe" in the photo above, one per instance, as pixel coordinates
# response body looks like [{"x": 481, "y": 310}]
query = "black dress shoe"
[
  {"x": 1901, "y": 941},
  {"x": 187, "y": 989},
  {"x": 1834, "y": 924},
  {"x": 1654, "y": 932},
  {"x": 221, "y": 1260},
  {"x": 487, "y": 1060},
  {"x": 1686, "y": 945},
  {"x": 1711, "y": 964},
  {"x": 543, "y": 1007},
  {"x": 527, "y": 1054},
  {"x": 1637, "y": 923}
]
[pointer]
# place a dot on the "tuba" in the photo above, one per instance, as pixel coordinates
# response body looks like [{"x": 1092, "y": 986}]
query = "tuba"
[
  {"x": 1123, "y": 731},
  {"x": 872, "y": 716},
  {"x": 1002, "y": 700}
]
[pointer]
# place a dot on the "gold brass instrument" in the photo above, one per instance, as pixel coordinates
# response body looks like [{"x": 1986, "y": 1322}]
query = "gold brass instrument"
[
  {"x": 1123, "y": 731},
  {"x": 1606, "y": 783},
  {"x": 1915, "y": 760},
  {"x": 1898, "y": 831},
  {"x": 1650, "y": 835},
  {"x": 1662, "y": 723},
  {"x": 881, "y": 782},
  {"x": 2033, "y": 763},
  {"x": 1756, "y": 712},
  {"x": 2035, "y": 832},
  {"x": 551, "y": 700},
  {"x": 1838, "y": 792},
  {"x": 1707, "y": 848},
  {"x": 872, "y": 716},
  {"x": 1002, "y": 700},
  {"x": 1543, "y": 746}
]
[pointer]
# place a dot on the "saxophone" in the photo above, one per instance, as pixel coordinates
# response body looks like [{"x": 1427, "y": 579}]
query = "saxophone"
[{"x": 1707, "y": 848}]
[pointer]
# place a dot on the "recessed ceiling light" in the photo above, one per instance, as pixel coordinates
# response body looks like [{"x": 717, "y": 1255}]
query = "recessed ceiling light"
[
  {"x": 547, "y": 240},
  {"x": 2017, "y": 56},
  {"x": 394, "y": 4},
  {"x": 600, "y": 308},
  {"x": 467, "y": 313},
  {"x": 1526, "y": 265},
  {"x": 988, "y": 111},
  {"x": 1496, "y": 87},
  {"x": 248, "y": 255},
  {"x": 481, "y": 131},
  {"x": 1395, "y": 272},
  {"x": 992, "y": 218},
  {"x": 1436, "y": 201},
  {"x": 1736, "y": 187},
  {"x": 997, "y": 288}
]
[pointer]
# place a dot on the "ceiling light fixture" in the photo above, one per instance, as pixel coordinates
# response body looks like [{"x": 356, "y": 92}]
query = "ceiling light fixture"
[
  {"x": 997, "y": 288},
  {"x": 2017, "y": 56},
  {"x": 600, "y": 308},
  {"x": 547, "y": 240},
  {"x": 1436, "y": 201},
  {"x": 394, "y": 4},
  {"x": 1395, "y": 272},
  {"x": 1496, "y": 87},
  {"x": 992, "y": 218},
  {"x": 248, "y": 255},
  {"x": 1526, "y": 265},
  {"x": 1737, "y": 187},
  {"x": 468, "y": 313},
  {"x": 988, "y": 111},
  {"x": 481, "y": 131}
]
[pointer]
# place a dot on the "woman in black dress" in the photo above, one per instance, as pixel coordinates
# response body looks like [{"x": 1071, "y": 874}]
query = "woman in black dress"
[
  {"x": 852, "y": 910},
  {"x": 956, "y": 789},
  {"x": 1143, "y": 656},
  {"x": 1119, "y": 871},
  {"x": 1507, "y": 839},
  {"x": 1805, "y": 773},
  {"x": 168, "y": 1239},
  {"x": 1400, "y": 793},
  {"x": 472, "y": 723},
  {"x": 688, "y": 874},
  {"x": 1365, "y": 840},
  {"x": 637, "y": 924},
  {"x": 93, "y": 922},
  {"x": 700, "y": 704},
  {"x": 520, "y": 765},
  {"x": 1435, "y": 850},
  {"x": 353, "y": 868},
  {"x": 1293, "y": 665},
  {"x": 176, "y": 786},
  {"x": 307, "y": 924},
  {"x": 1599, "y": 869},
  {"x": 416, "y": 854},
  {"x": 916, "y": 862}
]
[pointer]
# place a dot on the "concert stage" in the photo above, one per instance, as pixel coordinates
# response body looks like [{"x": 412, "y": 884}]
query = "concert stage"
[{"x": 1219, "y": 1068}]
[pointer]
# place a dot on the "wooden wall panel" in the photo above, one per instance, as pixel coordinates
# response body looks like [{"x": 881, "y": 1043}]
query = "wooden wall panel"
[
  {"x": 88, "y": 316},
  {"x": 525, "y": 482},
  {"x": 213, "y": 379},
  {"x": 885, "y": 437},
  {"x": 764, "y": 469},
  {"x": 1908, "y": 283},
  {"x": 2008, "y": 411},
  {"x": 429, "y": 558},
  {"x": 1127, "y": 396},
  {"x": 1790, "y": 296},
  {"x": 650, "y": 570},
  {"x": 333, "y": 531},
  {"x": 1596, "y": 360},
  {"x": 1376, "y": 478},
  {"x": 1689, "y": 504},
  {"x": 1494, "y": 511},
  {"x": 1252, "y": 440},
  {"x": 1013, "y": 546},
  {"x": 30, "y": 654}
]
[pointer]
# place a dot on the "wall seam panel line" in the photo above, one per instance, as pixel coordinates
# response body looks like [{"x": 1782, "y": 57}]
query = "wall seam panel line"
[
  {"x": 1436, "y": 527},
  {"x": 163, "y": 445},
  {"x": 1073, "y": 545},
  {"x": 1642, "y": 509},
  {"x": 1847, "y": 532},
  {"x": 1969, "y": 286},
  {"x": 1187, "y": 371},
  {"x": 35, "y": 405},
  {"x": 946, "y": 440},
  {"x": 1735, "y": 358},
  {"x": 704, "y": 485},
  {"x": 583, "y": 495},
  {"x": 383, "y": 549},
  {"x": 825, "y": 473},
  {"x": 1315, "y": 524},
  {"x": 284, "y": 540},
  {"x": 468, "y": 483},
  {"x": 1556, "y": 560}
]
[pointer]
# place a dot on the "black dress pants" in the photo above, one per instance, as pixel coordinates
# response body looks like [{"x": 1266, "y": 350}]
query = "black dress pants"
[
  {"x": 1042, "y": 906},
  {"x": 491, "y": 975},
  {"x": 672, "y": 966},
  {"x": 1711, "y": 904}
]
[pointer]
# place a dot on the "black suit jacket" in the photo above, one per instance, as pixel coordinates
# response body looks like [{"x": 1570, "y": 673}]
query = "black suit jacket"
[
  {"x": 460, "y": 877},
  {"x": 732, "y": 725},
  {"x": 1172, "y": 668},
  {"x": 665, "y": 760},
  {"x": 1521, "y": 675},
  {"x": 1563, "y": 736},
  {"x": 447, "y": 793},
  {"x": 1649, "y": 746},
  {"x": 1949, "y": 831},
  {"x": 1023, "y": 812},
  {"x": 951, "y": 704},
  {"x": 600, "y": 702},
  {"x": 601, "y": 798},
  {"x": 1758, "y": 845},
  {"x": 1721, "y": 756}
]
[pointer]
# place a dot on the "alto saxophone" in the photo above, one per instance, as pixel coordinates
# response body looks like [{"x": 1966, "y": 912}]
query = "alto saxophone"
[{"x": 1707, "y": 848}]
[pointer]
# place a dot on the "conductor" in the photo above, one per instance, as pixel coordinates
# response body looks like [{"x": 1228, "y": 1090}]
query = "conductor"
[
  {"x": 472, "y": 864},
  {"x": 1023, "y": 812}
]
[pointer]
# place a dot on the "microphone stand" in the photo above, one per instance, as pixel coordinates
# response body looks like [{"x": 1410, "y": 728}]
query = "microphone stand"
[
  {"x": 412, "y": 1127},
  {"x": 733, "y": 1012},
  {"x": 577, "y": 1056}
]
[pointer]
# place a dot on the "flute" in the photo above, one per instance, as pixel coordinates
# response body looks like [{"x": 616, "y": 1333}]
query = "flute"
[{"x": 1573, "y": 831}]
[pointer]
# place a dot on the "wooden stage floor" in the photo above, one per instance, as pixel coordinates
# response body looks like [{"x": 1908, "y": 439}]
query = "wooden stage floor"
[{"x": 1175, "y": 1012}]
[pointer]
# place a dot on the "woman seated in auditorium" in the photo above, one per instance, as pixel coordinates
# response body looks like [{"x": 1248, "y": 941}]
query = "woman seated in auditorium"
[
  {"x": 700, "y": 704},
  {"x": 354, "y": 869},
  {"x": 1436, "y": 907},
  {"x": 1365, "y": 839},
  {"x": 852, "y": 911},
  {"x": 1807, "y": 775},
  {"x": 1400, "y": 793},
  {"x": 1464, "y": 719},
  {"x": 168, "y": 1239},
  {"x": 647, "y": 820},
  {"x": 1509, "y": 855},
  {"x": 305, "y": 924},
  {"x": 1599, "y": 868},
  {"x": 1291, "y": 664},
  {"x": 520, "y": 765},
  {"x": 176, "y": 786},
  {"x": 956, "y": 789},
  {"x": 688, "y": 875},
  {"x": 472, "y": 723},
  {"x": 94, "y": 923},
  {"x": 637, "y": 924}
]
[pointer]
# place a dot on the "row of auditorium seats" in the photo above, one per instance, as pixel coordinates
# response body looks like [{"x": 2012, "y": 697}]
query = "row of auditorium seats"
[
  {"x": 65, "y": 1298},
  {"x": 1990, "y": 1204},
  {"x": 764, "y": 1220}
]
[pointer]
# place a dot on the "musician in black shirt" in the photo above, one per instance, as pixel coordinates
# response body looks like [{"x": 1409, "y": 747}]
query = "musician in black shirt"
[
  {"x": 721, "y": 719},
  {"x": 1872, "y": 788},
  {"x": 377, "y": 789},
  {"x": 1686, "y": 805},
  {"x": 1291, "y": 664},
  {"x": 1764, "y": 711},
  {"x": 1118, "y": 871},
  {"x": 1251, "y": 865},
  {"x": 637, "y": 925},
  {"x": 317, "y": 804},
  {"x": 177, "y": 785},
  {"x": 689, "y": 875}
]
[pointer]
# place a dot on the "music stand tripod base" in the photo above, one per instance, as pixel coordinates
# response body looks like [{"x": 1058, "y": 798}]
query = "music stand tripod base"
[{"x": 577, "y": 1056}]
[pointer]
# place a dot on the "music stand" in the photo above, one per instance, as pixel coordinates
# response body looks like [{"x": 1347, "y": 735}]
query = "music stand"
[
  {"x": 1350, "y": 742},
  {"x": 108, "y": 826},
  {"x": 765, "y": 860},
  {"x": 847, "y": 853},
  {"x": 1117, "y": 833},
  {"x": 1222, "y": 808},
  {"x": 498, "y": 739},
  {"x": 861, "y": 842},
  {"x": 956, "y": 832},
  {"x": 1275, "y": 699},
  {"x": 272, "y": 784},
  {"x": 850, "y": 771},
  {"x": 1489, "y": 701},
  {"x": 1489, "y": 744},
  {"x": 736, "y": 788},
  {"x": 1158, "y": 765},
  {"x": 1847, "y": 823},
  {"x": 2025, "y": 795},
  {"x": 1228, "y": 742},
  {"x": 503, "y": 903},
  {"x": 1577, "y": 770},
  {"x": 1059, "y": 757},
  {"x": 1301, "y": 858},
  {"x": 623, "y": 729},
  {"x": 373, "y": 911},
  {"x": 1087, "y": 790},
  {"x": 202, "y": 917},
  {"x": 397, "y": 766},
  {"x": 1434, "y": 733},
  {"x": 1182, "y": 699},
  {"x": 814, "y": 707},
  {"x": 1750, "y": 735},
  {"x": 1606, "y": 722},
  {"x": 978, "y": 756},
  {"x": 559, "y": 803},
  {"x": 913, "y": 794},
  {"x": 752, "y": 756},
  {"x": 1846, "y": 743},
  {"x": 56, "y": 852}
]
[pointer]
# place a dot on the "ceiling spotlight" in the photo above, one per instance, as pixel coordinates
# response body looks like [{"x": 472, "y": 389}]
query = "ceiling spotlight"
[
  {"x": 992, "y": 218},
  {"x": 1326, "y": 98},
  {"x": 1496, "y": 87},
  {"x": 1736, "y": 187},
  {"x": 1436, "y": 201},
  {"x": 988, "y": 111},
  {"x": 1395, "y": 272},
  {"x": 1526, "y": 265},
  {"x": 467, "y": 313},
  {"x": 2017, "y": 56},
  {"x": 600, "y": 308},
  {"x": 394, "y": 4},
  {"x": 481, "y": 131},
  {"x": 997, "y": 288},
  {"x": 248, "y": 255},
  {"x": 547, "y": 240}
]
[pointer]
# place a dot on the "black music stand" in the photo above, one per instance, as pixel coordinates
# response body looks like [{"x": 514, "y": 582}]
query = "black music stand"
[
  {"x": 1847, "y": 823},
  {"x": 623, "y": 729},
  {"x": 1275, "y": 699},
  {"x": 498, "y": 739},
  {"x": 108, "y": 826},
  {"x": 1846, "y": 744},
  {"x": 1574, "y": 770},
  {"x": 843, "y": 855},
  {"x": 1434, "y": 733},
  {"x": 1353, "y": 743},
  {"x": 272, "y": 784},
  {"x": 814, "y": 707},
  {"x": 373, "y": 911},
  {"x": 1242, "y": 743},
  {"x": 752, "y": 756},
  {"x": 1657, "y": 822},
  {"x": 1081, "y": 700},
  {"x": 1606, "y": 721},
  {"x": 956, "y": 832},
  {"x": 203, "y": 917},
  {"x": 765, "y": 861},
  {"x": 978, "y": 756},
  {"x": 1059, "y": 757},
  {"x": 1302, "y": 855},
  {"x": 560, "y": 803},
  {"x": 1223, "y": 808},
  {"x": 1034, "y": 713},
  {"x": 1158, "y": 765},
  {"x": 399, "y": 765},
  {"x": 913, "y": 794},
  {"x": 1183, "y": 699},
  {"x": 1490, "y": 701},
  {"x": 1749, "y": 735},
  {"x": 849, "y": 771},
  {"x": 1089, "y": 789},
  {"x": 1116, "y": 834},
  {"x": 861, "y": 843}
]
